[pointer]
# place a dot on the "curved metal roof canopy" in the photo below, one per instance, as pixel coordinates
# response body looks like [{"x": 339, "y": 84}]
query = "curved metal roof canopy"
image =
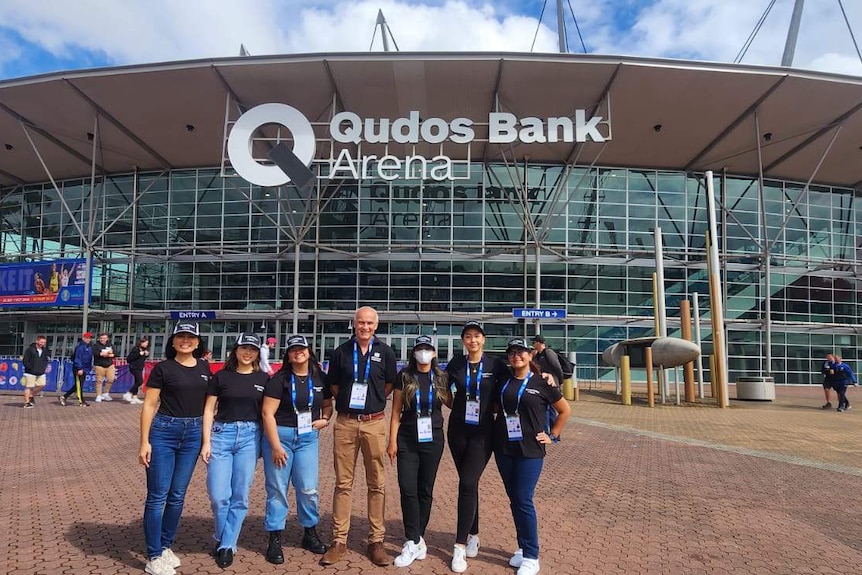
[{"x": 706, "y": 111}]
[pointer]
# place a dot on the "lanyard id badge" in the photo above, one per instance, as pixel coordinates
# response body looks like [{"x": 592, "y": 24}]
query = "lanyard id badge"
[
  {"x": 471, "y": 409},
  {"x": 513, "y": 427},
  {"x": 359, "y": 390},
  {"x": 303, "y": 423},
  {"x": 471, "y": 412},
  {"x": 424, "y": 429},
  {"x": 358, "y": 395}
]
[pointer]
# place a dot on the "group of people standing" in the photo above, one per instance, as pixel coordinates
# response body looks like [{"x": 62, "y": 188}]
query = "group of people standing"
[
  {"x": 240, "y": 412},
  {"x": 98, "y": 357},
  {"x": 837, "y": 375}
]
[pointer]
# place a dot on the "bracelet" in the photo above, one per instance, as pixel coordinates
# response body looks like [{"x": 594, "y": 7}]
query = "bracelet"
[{"x": 554, "y": 438}]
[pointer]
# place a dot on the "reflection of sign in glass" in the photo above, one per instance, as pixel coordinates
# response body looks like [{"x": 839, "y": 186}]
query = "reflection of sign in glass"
[{"x": 43, "y": 283}]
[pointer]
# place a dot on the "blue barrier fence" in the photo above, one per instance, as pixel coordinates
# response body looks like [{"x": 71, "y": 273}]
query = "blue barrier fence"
[{"x": 59, "y": 372}]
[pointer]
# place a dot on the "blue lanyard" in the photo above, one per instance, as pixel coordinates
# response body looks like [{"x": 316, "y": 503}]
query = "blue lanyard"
[
  {"x": 430, "y": 396},
  {"x": 293, "y": 392},
  {"x": 478, "y": 378},
  {"x": 356, "y": 362},
  {"x": 520, "y": 393}
]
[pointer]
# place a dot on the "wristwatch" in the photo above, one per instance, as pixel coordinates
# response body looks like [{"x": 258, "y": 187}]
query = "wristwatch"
[{"x": 554, "y": 438}]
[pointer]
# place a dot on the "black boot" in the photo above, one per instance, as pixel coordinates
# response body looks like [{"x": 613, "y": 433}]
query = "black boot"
[
  {"x": 311, "y": 541},
  {"x": 224, "y": 558},
  {"x": 274, "y": 553}
]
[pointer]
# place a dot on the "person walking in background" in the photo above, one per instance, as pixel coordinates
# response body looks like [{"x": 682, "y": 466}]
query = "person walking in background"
[
  {"x": 547, "y": 359},
  {"x": 474, "y": 380},
  {"x": 136, "y": 359},
  {"x": 231, "y": 441},
  {"x": 361, "y": 375},
  {"x": 103, "y": 365},
  {"x": 297, "y": 405},
  {"x": 842, "y": 377},
  {"x": 265, "y": 351},
  {"x": 519, "y": 445},
  {"x": 171, "y": 441},
  {"x": 828, "y": 371},
  {"x": 82, "y": 364},
  {"x": 416, "y": 439},
  {"x": 36, "y": 359}
]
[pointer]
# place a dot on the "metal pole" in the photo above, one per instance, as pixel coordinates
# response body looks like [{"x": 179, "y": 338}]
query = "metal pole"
[
  {"x": 625, "y": 367},
  {"x": 296, "y": 288},
  {"x": 659, "y": 270},
  {"x": 716, "y": 307},
  {"x": 767, "y": 265},
  {"x": 792, "y": 34},
  {"x": 88, "y": 265},
  {"x": 685, "y": 324},
  {"x": 561, "y": 26},
  {"x": 650, "y": 387},
  {"x": 696, "y": 310}
]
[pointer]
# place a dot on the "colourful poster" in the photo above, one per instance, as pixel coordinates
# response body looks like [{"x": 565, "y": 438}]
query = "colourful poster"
[{"x": 43, "y": 283}]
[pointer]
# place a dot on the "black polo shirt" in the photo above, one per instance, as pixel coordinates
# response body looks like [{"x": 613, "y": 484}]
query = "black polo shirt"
[
  {"x": 278, "y": 387},
  {"x": 183, "y": 389},
  {"x": 383, "y": 370},
  {"x": 239, "y": 395},
  {"x": 538, "y": 395},
  {"x": 494, "y": 373},
  {"x": 408, "y": 405}
]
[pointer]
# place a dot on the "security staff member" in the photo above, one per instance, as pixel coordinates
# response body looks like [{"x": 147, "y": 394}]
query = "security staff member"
[{"x": 361, "y": 375}]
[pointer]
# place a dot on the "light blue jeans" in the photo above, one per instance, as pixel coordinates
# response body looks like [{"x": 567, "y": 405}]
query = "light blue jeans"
[
  {"x": 235, "y": 446},
  {"x": 176, "y": 443},
  {"x": 301, "y": 470}
]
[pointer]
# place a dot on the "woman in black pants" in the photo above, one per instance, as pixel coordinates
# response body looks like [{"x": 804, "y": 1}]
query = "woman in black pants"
[
  {"x": 136, "y": 360},
  {"x": 416, "y": 439},
  {"x": 474, "y": 381}
]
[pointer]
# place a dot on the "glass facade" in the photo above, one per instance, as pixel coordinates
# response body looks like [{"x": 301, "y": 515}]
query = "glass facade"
[{"x": 429, "y": 255}]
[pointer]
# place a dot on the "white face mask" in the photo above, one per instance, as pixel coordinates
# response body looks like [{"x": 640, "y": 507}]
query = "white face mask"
[{"x": 423, "y": 356}]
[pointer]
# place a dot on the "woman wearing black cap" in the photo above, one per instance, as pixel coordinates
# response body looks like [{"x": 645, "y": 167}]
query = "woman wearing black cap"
[
  {"x": 231, "y": 440},
  {"x": 474, "y": 381},
  {"x": 416, "y": 439},
  {"x": 519, "y": 445},
  {"x": 296, "y": 406},
  {"x": 171, "y": 441}
]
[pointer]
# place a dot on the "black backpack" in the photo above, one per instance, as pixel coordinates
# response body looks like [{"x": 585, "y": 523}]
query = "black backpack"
[{"x": 567, "y": 366}]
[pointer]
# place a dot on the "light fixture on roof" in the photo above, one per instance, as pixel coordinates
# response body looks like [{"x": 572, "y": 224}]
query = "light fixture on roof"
[
  {"x": 190, "y": 128},
  {"x": 657, "y": 128},
  {"x": 767, "y": 136},
  {"x": 90, "y": 136},
  {"x": 10, "y": 147}
]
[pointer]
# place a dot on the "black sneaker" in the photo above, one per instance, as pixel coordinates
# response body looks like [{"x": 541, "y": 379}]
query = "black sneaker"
[
  {"x": 827, "y": 406},
  {"x": 33, "y": 400},
  {"x": 29, "y": 405},
  {"x": 83, "y": 404},
  {"x": 63, "y": 400}
]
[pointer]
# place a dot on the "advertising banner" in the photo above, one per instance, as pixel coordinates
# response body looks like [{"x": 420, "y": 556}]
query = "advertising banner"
[
  {"x": 12, "y": 374},
  {"x": 43, "y": 283}
]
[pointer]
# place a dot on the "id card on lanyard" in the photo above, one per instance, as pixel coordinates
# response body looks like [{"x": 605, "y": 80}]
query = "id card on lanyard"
[
  {"x": 513, "y": 421},
  {"x": 471, "y": 409},
  {"x": 424, "y": 427},
  {"x": 359, "y": 389},
  {"x": 303, "y": 418}
]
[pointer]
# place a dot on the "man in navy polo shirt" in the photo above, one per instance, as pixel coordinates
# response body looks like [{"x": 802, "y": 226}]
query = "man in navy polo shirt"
[{"x": 361, "y": 375}]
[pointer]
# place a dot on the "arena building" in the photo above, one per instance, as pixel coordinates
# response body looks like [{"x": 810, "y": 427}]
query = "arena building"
[{"x": 443, "y": 187}]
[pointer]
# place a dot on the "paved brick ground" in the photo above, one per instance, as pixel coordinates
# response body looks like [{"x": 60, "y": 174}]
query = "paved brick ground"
[{"x": 757, "y": 488}]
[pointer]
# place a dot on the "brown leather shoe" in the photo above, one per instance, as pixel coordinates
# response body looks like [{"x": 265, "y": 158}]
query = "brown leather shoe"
[
  {"x": 334, "y": 554},
  {"x": 378, "y": 554}
]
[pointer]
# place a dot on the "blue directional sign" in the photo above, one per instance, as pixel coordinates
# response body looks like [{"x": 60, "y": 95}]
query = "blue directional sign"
[
  {"x": 197, "y": 315},
  {"x": 527, "y": 313}
]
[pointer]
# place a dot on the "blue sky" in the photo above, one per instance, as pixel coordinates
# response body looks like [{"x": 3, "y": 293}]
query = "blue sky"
[{"x": 37, "y": 37}]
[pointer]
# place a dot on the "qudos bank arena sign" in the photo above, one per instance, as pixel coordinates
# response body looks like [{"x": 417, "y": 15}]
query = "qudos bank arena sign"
[{"x": 349, "y": 128}]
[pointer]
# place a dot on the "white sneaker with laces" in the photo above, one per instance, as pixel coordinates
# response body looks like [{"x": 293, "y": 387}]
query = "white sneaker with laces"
[
  {"x": 459, "y": 559},
  {"x": 158, "y": 566},
  {"x": 136, "y": 401},
  {"x": 98, "y": 399},
  {"x": 171, "y": 558},
  {"x": 127, "y": 397},
  {"x": 107, "y": 397},
  {"x": 517, "y": 558},
  {"x": 411, "y": 552},
  {"x": 472, "y": 545},
  {"x": 528, "y": 567}
]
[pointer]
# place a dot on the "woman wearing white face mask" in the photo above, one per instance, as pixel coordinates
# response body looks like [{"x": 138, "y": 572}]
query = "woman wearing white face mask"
[{"x": 416, "y": 439}]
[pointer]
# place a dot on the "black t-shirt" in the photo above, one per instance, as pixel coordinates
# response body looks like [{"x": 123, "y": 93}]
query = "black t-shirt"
[
  {"x": 538, "y": 395},
  {"x": 279, "y": 387},
  {"x": 494, "y": 374},
  {"x": 183, "y": 389},
  {"x": 383, "y": 370},
  {"x": 408, "y": 404},
  {"x": 97, "y": 357},
  {"x": 239, "y": 395}
]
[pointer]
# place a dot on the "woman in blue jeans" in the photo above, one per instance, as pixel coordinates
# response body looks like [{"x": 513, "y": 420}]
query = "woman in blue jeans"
[
  {"x": 171, "y": 441},
  {"x": 519, "y": 445},
  {"x": 231, "y": 441},
  {"x": 296, "y": 406}
]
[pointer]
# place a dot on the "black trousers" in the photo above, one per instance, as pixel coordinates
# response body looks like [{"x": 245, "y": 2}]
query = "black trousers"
[
  {"x": 841, "y": 390},
  {"x": 139, "y": 381},
  {"x": 77, "y": 388},
  {"x": 471, "y": 449},
  {"x": 417, "y": 472}
]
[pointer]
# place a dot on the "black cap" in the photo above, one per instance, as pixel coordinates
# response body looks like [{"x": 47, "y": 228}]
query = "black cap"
[
  {"x": 297, "y": 341},
  {"x": 187, "y": 327},
  {"x": 518, "y": 343},
  {"x": 248, "y": 339},
  {"x": 472, "y": 324},
  {"x": 424, "y": 340},
  {"x": 539, "y": 339}
]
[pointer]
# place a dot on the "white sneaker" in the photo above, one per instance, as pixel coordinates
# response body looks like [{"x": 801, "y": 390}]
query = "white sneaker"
[
  {"x": 127, "y": 397},
  {"x": 170, "y": 558},
  {"x": 459, "y": 559},
  {"x": 516, "y": 559},
  {"x": 472, "y": 545},
  {"x": 528, "y": 567},
  {"x": 135, "y": 401},
  {"x": 107, "y": 397},
  {"x": 411, "y": 552},
  {"x": 98, "y": 399},
  {"x": 158, "y": 566}
]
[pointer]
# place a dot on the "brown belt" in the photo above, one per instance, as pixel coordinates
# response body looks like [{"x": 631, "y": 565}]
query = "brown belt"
[{"x": 363, "y": 416}]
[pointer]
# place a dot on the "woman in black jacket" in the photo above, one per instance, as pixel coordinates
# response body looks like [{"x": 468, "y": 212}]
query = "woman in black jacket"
[{"x": 136, "y": 360}]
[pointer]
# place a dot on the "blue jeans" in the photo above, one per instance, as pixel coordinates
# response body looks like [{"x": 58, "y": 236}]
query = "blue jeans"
[
  {"x": 520, "y": 476},
  {"x": 176, "y": 442},
  {"x": 235, "y": 446},
  {"x": 301, "y": 470}
]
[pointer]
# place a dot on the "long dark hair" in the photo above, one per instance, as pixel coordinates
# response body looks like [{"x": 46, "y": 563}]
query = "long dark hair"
[
  {"x": 232, "y": 362},
  {"x": 409, "y": 383},
  {"x": 313, "y": 367}
]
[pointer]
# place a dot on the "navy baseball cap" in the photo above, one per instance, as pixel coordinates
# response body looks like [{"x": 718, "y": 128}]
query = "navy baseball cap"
[
  {"x": 518, "y": 344},
  {"x": 472, "y": 324},
  {"x": 187, "y": 327},
  {"x": 297, "y": 341},
  {"x": 424, "y": 340},
  {"x": 248, "y": 339}
]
